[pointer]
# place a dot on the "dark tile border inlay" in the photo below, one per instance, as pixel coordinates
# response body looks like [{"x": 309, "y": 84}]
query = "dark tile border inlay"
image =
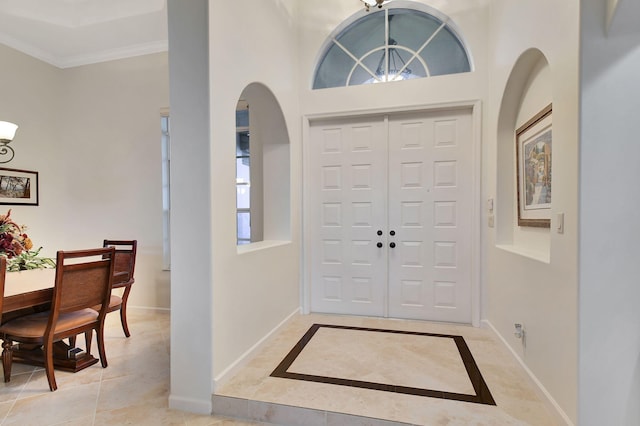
[{"x": 482, "y": 393}]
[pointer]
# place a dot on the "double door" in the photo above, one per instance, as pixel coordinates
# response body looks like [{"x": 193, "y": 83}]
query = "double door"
[{"x": 391, "y": 211}]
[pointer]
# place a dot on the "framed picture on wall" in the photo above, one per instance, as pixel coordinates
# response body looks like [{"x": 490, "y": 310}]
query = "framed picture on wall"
[
  {"x": 533, "y": 158},
  {"x": 18, "y": 187}
]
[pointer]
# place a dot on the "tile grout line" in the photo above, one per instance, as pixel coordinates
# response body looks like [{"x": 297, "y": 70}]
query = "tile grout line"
[
  {"x": 95, "y": 409},
  {"x": 13, "y": 404}
]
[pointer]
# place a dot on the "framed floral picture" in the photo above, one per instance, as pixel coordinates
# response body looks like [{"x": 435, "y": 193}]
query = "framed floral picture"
[
  {"x": 534, "y": 159},
  {"x": 18, "y": 187}
]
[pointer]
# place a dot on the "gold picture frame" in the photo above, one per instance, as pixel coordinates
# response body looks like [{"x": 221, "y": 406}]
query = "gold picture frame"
[{"x": 534, "y": 166}]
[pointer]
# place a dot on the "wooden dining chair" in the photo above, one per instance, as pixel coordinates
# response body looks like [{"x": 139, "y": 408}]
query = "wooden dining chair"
[
  {"x": 83, "y": 280},
  {"x": 125, "y": 263}
]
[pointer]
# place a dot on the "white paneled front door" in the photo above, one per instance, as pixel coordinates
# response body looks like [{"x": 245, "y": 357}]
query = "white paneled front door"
[
  {"x": 349, "y": 197},
  {"x": 430, "y": 208},
  {"x": 391, "y": 210}
]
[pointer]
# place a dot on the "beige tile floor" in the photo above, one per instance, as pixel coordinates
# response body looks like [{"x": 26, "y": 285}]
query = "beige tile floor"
[
  {"x": 401, "y": 360},
  {"x": 517, "y": 402},
  {"x": 132, "y": 390}
]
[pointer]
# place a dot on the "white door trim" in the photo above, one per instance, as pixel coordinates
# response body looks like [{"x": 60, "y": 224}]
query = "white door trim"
[{"x": 475, "y": 106}]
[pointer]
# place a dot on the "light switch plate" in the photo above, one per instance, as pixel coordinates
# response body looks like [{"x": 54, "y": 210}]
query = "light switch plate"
[
  {"x": 490, "y": 204},
  {"x": 560, "y": 223}
]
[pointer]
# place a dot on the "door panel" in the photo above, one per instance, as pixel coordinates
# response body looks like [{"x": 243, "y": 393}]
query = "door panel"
[
  {"x": 430, "y": 211},
  {"x": 348, "y": 206}
]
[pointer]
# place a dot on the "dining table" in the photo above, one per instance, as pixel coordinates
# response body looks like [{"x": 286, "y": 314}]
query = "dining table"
[{"x": 31, "y": 291}]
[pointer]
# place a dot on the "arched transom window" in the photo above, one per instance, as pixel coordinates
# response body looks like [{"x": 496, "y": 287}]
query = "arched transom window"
[{"x": 390, "y": 45}]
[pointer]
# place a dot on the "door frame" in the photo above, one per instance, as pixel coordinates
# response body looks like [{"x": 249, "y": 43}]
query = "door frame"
[{"x": 476, "y": 115}]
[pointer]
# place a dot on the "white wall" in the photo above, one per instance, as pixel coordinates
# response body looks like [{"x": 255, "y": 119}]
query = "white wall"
[
  {"x": 31, "y": 91},
  {"x": 111, "y": 162},
  {"x": 93, "y": 134},
  {"x": 228, "y": 298},
  {"x": 236, "y": 296},
  {"x": 523, "y": 288},
  {"x": 609, "y": 362},
  {"x": 253, "y": 291}
]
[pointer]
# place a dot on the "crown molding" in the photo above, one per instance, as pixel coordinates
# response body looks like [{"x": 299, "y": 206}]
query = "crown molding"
[
  {"x": 86, "y": 59},
  {"x": 113, "y": 54}
]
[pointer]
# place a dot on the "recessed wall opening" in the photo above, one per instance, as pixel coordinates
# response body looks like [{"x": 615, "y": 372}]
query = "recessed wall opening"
[
  {"x": 262, "y": 168},
  {"x": 527, "y": 92}
]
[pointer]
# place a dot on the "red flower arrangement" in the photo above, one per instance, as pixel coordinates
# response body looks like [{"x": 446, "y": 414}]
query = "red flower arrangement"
[
  {"x": 16, "y": 246},
  {"x": 13, "y": 239}
]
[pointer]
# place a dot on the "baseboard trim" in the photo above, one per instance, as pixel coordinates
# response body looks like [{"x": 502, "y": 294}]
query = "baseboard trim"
[
  {"x": 190, "y": 405},
  {"x": 551, "y": 403},
  {"x": 150, "y": 308},
  {"x": 237, "y": 365}
]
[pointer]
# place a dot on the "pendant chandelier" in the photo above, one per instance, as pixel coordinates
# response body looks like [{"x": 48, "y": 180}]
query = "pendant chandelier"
[{"x": 374, "y": 3}]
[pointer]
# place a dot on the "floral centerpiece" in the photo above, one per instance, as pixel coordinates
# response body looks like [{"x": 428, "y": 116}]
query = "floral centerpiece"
[{"x": 17, "y": 247}]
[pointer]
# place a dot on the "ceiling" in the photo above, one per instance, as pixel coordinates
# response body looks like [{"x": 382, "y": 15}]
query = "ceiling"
[{"x": 68, "y": 33}]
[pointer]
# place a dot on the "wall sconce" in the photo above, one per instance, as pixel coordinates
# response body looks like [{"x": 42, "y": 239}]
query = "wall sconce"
[{"x": 7, "y": 132}]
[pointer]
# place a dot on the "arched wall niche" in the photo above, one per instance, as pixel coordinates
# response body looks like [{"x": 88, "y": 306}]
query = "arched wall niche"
[
  {"x": 269, "y": 149},
  {"x": 528, "y": 91}
]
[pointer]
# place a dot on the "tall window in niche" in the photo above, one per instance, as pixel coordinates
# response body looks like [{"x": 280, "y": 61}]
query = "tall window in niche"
[
  {"x": 392, "y": 44},
  {"x": 243, "y": 174},
  {"x": 263, "y": 202}
]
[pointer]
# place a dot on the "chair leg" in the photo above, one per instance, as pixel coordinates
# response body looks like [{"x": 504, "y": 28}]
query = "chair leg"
[
  {"x": 72, "y": 341},
  {"x": 103, "y": 355},
  {"x": 123, "y": 311},
  {"x": 48, "y": 365},
  {"x": 88, "y": 335},
  {"x": 7, "y": 359}
]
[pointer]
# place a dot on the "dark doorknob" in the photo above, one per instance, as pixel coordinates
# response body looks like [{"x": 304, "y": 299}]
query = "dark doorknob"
[
  {"x": 379, "y": 232},
  {"x": 392, "y": 233},
  {"x": 392, "y": 245},
  {"x": 379, "y": 245}
]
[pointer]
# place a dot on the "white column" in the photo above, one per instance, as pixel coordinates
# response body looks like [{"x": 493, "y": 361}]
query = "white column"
[{"x": 191, "y": 271}]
